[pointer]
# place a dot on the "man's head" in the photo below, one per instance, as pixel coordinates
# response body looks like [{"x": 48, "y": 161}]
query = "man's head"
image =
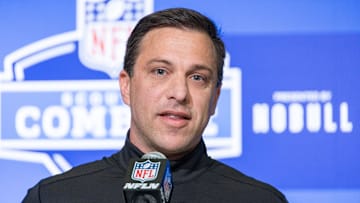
[
  {"x": 171, "y": 80},
  {"x": 178, "y": 18}
]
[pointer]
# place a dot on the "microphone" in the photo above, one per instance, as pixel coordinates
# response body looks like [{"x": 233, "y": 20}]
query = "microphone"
[{"x": 148, "y": 179}]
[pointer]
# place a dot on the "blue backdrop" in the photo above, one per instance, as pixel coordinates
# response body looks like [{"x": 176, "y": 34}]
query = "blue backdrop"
[{"x": 288, "y": 114}]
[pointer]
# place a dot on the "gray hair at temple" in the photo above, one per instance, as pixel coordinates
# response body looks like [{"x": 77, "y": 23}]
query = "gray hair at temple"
[{"x": 177, "y": 18}]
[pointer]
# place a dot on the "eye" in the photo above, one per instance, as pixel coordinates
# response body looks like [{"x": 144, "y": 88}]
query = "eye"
[
  {"x": 159, "y": 71},
  {"x": 198, "y": 77}
]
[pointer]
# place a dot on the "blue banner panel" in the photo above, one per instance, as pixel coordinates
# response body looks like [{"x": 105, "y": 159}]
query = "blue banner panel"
[
  {"x": 300, "y": 113},
  {"x": 288, "y": 113}
]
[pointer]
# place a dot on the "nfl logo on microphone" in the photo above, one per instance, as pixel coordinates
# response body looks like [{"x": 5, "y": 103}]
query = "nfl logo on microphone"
[{"x": 145, "y": 171}]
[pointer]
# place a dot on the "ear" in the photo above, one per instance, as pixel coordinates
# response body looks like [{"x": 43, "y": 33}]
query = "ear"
[
  {"x": 124, "y": 82},
  {"x": 215, "y": 100}
]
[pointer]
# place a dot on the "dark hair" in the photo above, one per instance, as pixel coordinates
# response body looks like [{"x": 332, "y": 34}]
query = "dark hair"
[{"x": 178, "y": 18}]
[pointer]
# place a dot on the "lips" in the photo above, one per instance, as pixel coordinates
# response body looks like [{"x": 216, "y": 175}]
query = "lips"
[
  {"x": 175, "y": 119},
  {"x": 176, "y": 115}
]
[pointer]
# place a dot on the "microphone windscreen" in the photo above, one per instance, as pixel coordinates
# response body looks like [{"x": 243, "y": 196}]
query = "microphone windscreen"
[
  {"x": 153, "y": 155},
  {"x": 148, "y": 179}
]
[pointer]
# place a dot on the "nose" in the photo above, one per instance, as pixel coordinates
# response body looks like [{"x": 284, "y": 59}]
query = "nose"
[{"x": 178, "y": 90}]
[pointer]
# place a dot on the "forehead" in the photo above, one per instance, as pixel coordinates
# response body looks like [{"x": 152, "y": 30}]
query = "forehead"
[{"x": 178, "y": 42}]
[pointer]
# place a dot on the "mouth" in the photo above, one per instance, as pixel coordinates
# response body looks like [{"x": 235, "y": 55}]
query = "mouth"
[{"x": 176, "y": 115}]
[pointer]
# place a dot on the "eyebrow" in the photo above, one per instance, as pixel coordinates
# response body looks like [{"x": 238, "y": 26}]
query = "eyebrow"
[
  {"x": 157, "y": 60},
  {"x": 193, "y": 67}
]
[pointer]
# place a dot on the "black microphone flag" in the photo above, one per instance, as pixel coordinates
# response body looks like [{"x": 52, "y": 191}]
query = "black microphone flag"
[{"x": 148, "y": 179}]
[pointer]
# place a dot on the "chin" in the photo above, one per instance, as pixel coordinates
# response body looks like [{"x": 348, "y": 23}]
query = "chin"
[{"x": 175, "y": 151}]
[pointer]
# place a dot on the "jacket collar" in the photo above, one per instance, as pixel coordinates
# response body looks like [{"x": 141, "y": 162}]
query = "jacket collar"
[{"x": 184, "y": 169}]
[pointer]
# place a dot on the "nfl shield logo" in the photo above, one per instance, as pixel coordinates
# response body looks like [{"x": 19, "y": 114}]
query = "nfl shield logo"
[
  {"x": 145, "y": 171},
  {"x": 103, "y": 27}
]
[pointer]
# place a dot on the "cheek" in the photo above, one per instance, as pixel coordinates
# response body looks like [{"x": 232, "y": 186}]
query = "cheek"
[
  {"x": 214, "y": 100},
  {"x": 209, "y": 103},
  {"x": 213, "y": 105},
  {"x": 202, "y": 104},
  {"x": 144, "y": 96}
]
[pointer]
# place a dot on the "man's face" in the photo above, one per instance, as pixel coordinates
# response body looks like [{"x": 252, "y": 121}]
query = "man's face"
[{"x": 173, "y": 92}]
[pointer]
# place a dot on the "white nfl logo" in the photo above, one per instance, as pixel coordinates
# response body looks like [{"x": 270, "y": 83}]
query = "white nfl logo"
[{"x": 145, "y": 171}]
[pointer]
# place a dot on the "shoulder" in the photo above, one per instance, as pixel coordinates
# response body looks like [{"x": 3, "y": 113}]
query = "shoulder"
[
  {"x": 76, "y": 179},
  {"x": 88, "y": 169},
  {"x": 243, "y": 184}
]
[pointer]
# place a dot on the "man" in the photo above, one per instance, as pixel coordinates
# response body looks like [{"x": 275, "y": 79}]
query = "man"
[{"x": 171, "y": 81}]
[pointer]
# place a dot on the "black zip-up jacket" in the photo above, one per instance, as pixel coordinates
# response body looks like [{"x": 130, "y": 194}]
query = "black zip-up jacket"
[{"x": 196, "y": 178}]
